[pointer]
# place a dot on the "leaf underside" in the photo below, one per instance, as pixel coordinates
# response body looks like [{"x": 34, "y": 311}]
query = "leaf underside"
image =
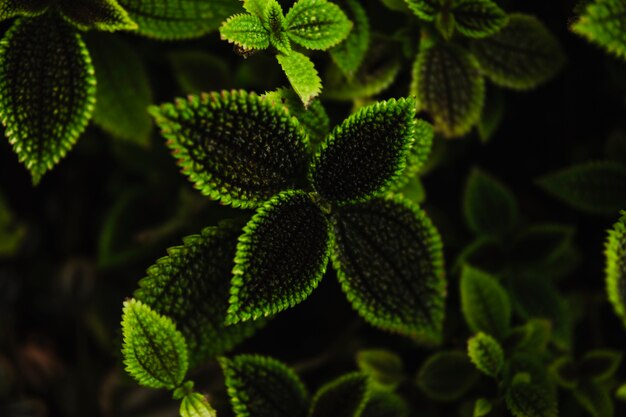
[
  {"x": 616, "y": 267},
  {"x": 603, "y": 23},
  {"x": 236, "y": 147},
  {"x": 390, "y": 265},
  {"x": 281, "y": 257},
  {"x": 345, "y": 396},
  {"x": 196, "y": 405},
  {"x": 106, "y": 15},
  {"x": 302, "y": 75},
  {"x": 349, "y": 54},
  {"x": 317, "y": 24},
  {"x": 47, "y": 90}
]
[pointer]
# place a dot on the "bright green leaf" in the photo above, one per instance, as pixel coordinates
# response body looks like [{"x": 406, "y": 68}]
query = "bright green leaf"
[
  {"x": 486, "y": 353},
  {"x": 603, "y": 23},
  {"x": 616, "y": 267},
  {"x": 14, "y": 8},
  {"x": 386, "y": 404},
  {"x": 345, "y": 396},
  {"x": 525, "y": 399},
  {"x": 447, "y": 375},
  {"x": 302, "y": 75},
  {"x": 196, "y": 405},
  {"x": 245, "y": 31},
  {"x": 47, "y": 90},
  {"x": 349, "y": 54},
  {"x": 425, "y": 9},
  {"x": 385, "y": 368},
  {"x": 478, "y": 18},
  {"x": 155, "y": 353},
  {"x": 595, "y": 399},
  {"x": 317, "y": 24},
  {"x": 275, "y": 23},
  {"x": 600, "y": 365},
  {"x": 482, "y": 407},
  {"x": 104, "y": 15}
]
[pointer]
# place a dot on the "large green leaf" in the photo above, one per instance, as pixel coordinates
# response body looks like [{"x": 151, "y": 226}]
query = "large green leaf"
[
  {"x": 603, "y": 23},
  {"x": 449, "y": 86},
  {"x": 521, "y": 56},
  {"x": 155, "y": 353},
  {"x": 425, "y": 9},
  {"x": 478, "y": 18},
  {"x": 191, "y": 286},
  {"x": 281, "y": 257},
  {"x": 447, "y": 375},
  {"x": 13, "y": 8},
  {"x": 260, "y": 386},
  {"x": 47, "y": 90},
  {"x": 345, "y": 396},
  {"x": 235, "y": 147},
  {"x": 179, "y": 19},
  {"x": 316, "y": 24},
  {"x": 486, "y": 353},
  {"x": 245, "y": 31},
  {"x": 616, "y": 267},
  {"x": 349, "y": 54},
  {"x": 390, "y": 265},
  {"x": 365, "y": 155},
  {"x": 124, "y": 92},
  {"x": 104, "y": 15},
  {"x": 594, "y": 187},
  {"x": 302, "y": 75}
]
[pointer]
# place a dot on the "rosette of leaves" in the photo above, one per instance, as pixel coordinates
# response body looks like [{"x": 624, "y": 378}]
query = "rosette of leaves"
[
  {"x": 249, "y": 152},
  {"x": 310, "y": 24},
  {"x": 47, "y": 80},
  {"x": 466, "y": 41}
]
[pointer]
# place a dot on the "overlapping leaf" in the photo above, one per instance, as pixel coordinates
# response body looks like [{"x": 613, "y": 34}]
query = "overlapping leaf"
[
  {"x": 616, "y": 267},
  {"x": 478, "y": 18},
  {"x": 13, "y": 8},
  {"x": 274, "y": 21},
  {"x": 301, "y": 74},
  {"x": 345, "y": 396},
  {"x": 235, "y": 146},
  {"x": 349, "y": 54},
  {"x": 603, "y": 23},
  {"x": 317, "y": 24},
  {"x": 104, "y": 15},
  {"x": 245, "y": 31},
  {"x": 424, "y": 9}
]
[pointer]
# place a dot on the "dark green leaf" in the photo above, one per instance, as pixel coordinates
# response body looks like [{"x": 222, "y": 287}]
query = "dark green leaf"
[
  {"x": 124, "y": 93},
  {"x": 260, "y": 386},
  {"x": 386, "y": 404},
  {"x": 594, "y": 187},
  {"x": 565, "y": 372},
  {"x": 595, "y": 399},
  {"x": 616, "y": 267},
  {"x": 302, "y": 75},
  {"x": 345, "y": 396},
  {"x": 281, "y": 257},
  {"x": 492, "y": 115},
  {"x": 525, "y": 399},
  {"x": 489, "y": 206},
  {"x": 12, "y": 231},
  {"x": 444, "y": 22},
  {"x": 485, "y": 304},
  {"x": 389, "y": 260},
  {"x": 191, "y": 286},
  {"x": 533, "y": 367},
  {"x": 603, "y": 23},
  {"x": 196, "y": 405},
  {"x": 245, "y": 31},
  {"x": 486, "y": 353},
  {"x": 533, "y": 336},
  {"x": 385, "y": 368},
  {"x": 47, "y": 90},
  {"x": 104, "y": 15},
  {"x": 317, "y": 24},
  {"x": 349, "y": 54},
  {"x": 365, "y": 155},
  {"x": 13, "y": 8},
  {"x": 478, "y": 18},
  {"x": 600, "y": 365},
  {"x": 235, "y": 146},
  {"x": 447, "y": 376},
  {"x": 449, "y": 86},
  {"x": 155, "y": 353},
  {"x": 424, "y": 9},
  {"x": 521, "y": 56}
]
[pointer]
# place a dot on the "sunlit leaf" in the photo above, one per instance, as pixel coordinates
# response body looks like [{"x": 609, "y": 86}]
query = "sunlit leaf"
[
  {"x": 196, "y": 405},
  {"x": 317, "y": 24},
  {"x": 349, "y": 54},
  {"x": 245, "y": 31},
  {"x": 302, "y": 75}
]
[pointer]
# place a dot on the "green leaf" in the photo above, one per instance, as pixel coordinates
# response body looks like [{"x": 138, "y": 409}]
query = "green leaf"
[
  {"x": 524, "y": 399},
  {"x": 489, "y": 206},
  {"x": 449, "y": 86},
  {"x": 256, "y": 7},
  {"x": 260, "y": 386},
  {"x": 521, "y": 56},
  {"x": 603, "y": 24},
  {"x": 275, "y": 23},
  {"x": 389, "y": 261},
  {"x": 47, "y": 90},
  {"x": 245, "y": 31},
  {"x": 179, "y": 19},
  {"x": 595, "y": 399},
  {"x": 235, "y": 147},
  {"x": 317, "y": 24},
  {"x": 534, "y": 369},
  {"x": 385, "y": 368},
  {"x": 425, "y": 9},
  {"x": 196, "y": 405},
  {"x": 302, "y": 75},
  {"x": 105, "y": 15},
  {"x": 191, "y": 286},
  {"x": 482, "y": 407},
  {"x": 565, "y": 372},
  {"x": 492, "y": 115},
  {"x": 447, "y": 375},
  {"x": 486, "y": 353},
  {"x": 593, "y": 187},
  {"x": 485, "y": 304},
  {"x": 386, "y": 404},
  {"x": 444, "y": 22},
  {"x": 600, "y": 365},
  {"x": 616, "y": 267},
  {"x": 14, "y": 8},
  {"x": 155, "y": 353},
  {"x": 620, "y": 393},
  {"x": 281, "y": 257},
  {"x": 349, "y": 54},
  {"x": 123, "y": 93},
  {"x": 533, "y": 336},
  {"x": 365, "y": 155},
  {"x": 345, "y": 396},
  {"x": 478, "y": 18}
]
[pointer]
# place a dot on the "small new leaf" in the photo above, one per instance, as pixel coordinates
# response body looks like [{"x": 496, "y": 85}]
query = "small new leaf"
[
  {"x": 196, "y": 405},
  {"x": 349, "y": 54},
  {"x": 274, "y": 22},
  {"x": 345, "y": 396},
  {"x": 522, "y": 55},
  {"x": 447, "y": 375},
  {"x": 425, "y": 9},
  {"x": 260, "y": 386},
  {"x": 246, "y": 31},
  {"x": 256, "y": 7},
  {"x": 281, "y": 257},
  {"x": 106, "y": 15},
  {"x": 317, "y": 24},
  {"x": 603, "y": 23},
  {"x": 486, "y": 353},
  {"x": 482, "y": 407},
  {"x": 525, "y": 399},
  {"x": 302, "y": 75},
  {"x": 600, "y": 365},
  {"x": 616, "y": 267},
  {"x": 155, "y": 353},
  {"x": 14, "y": 8},
  {"x": 478, "y": 18}
]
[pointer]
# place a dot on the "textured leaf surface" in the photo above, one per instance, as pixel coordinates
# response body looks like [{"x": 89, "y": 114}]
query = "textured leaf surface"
[
  {"x": 274, "y": 21},
  {"x": 179, "y": 19},
  {"x": 478, "y": 18},
  {"x": 13, "y": 8},
  {"x": 255, "y": 7},
  {"x": 349, "y": 54},
  {"x": 246, "y": 31},
  {"x": 281, "y": 257},
  {"x": 449, "y": 86},
  {"x": 155, "y": 353},
  {"x": 47, "y": 90},
  {"x": 366, "y": 154},
  {"x": 485, "y": 304},
  {"x": 386, "y": 404},
  {"x": 345, "y": 396},
  {"x": 261, "y": 386},
  {"x": 447, "y": 375},
  {"x": 96, "y": 14},
  {"x": 486, "y": 353},
  {"x": 595, "y": 187},
  {"x": 603, "y": 23},
  {"x": 302, "y": 75},
  {"x": 196, "y": 405},
  {"x": 317, "y": 24},
  {"x": 123, "y": 93},
  {"x": 390, "y": 265},
  {"x": 424, "y": 9},
  {"x": 235, "y": 146},
  {"x": 616, "y": 267},
  {"x": 526, "y": 400},
  {"x": 521, "y": 56},
  {"x": 191, "y": 286}
]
